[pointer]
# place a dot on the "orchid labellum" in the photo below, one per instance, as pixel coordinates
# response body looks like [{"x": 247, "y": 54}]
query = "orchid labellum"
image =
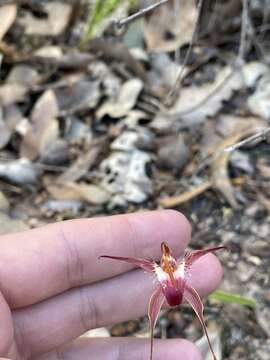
[{"x": 173, "y": 284}]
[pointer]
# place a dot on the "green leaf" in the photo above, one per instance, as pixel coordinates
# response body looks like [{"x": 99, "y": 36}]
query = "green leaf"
[
  {"x": 232, "y": 298},
  {"x": 99, "y": 11}
]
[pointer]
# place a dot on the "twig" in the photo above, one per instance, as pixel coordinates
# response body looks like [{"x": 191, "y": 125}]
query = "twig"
[
  {"x": 123, "y": 22},
  {"x": 257, "y": 44},
  {"x": 244, "y": 33},
  {"x": 236, "y": 66},
  {"x": 169, "y": 100},
  {"x": 209, "y": 96},
  {"x": 260, "y": 136}
]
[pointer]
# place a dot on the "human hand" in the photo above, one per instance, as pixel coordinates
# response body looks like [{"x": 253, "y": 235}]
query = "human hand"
[{"x": 54, "y": 288}]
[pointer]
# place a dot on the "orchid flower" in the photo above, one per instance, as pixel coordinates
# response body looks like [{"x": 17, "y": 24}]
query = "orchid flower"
[{"x": 173, "y": 284}]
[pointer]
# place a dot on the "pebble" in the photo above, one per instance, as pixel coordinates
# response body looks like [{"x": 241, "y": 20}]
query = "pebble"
[{"x": 173, "y": 154}]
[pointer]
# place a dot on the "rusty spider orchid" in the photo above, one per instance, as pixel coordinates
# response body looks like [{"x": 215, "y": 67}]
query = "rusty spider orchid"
[{"x": 173, "y": 284}]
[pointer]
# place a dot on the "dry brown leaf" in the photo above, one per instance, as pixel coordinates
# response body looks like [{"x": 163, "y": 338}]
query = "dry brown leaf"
[
  {"x": 58, "y": 16},
  {"x": 11, "y": 93},
  {"x": 8, "y": 15},
  {"x": 44, "y": 128},
  {"x": 117, "y": 52},
  {"x": 197, "y": 103},
  {"x": 4, "y": 202},
  {"x": 81, "y": 166},
  {"x": 219, "y": 164},
  {"x": 5, "y": 132},
  {"x": 86, "y": 192},
  {"x": 21, "y": 172},
  {"x": 235, "y": 131},
  {"x": 176, "y": 18},
  {"x": 23, "y": 75},
  {"x": 172, "y": 201},
  {"x": 127, "y": 99}
]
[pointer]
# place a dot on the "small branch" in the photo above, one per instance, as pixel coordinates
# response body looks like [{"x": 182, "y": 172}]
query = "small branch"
[
  {"x": 244, "y": 33},
  {"x": 260, "y": 136},
  {"x": 169, "y": 100},
  {"x": 124, "y": 22}
]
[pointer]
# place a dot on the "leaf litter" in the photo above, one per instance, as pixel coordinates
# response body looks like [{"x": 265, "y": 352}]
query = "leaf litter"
[{"x": 83, "y": 132}]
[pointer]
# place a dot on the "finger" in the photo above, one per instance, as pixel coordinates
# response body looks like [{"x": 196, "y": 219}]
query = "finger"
[
  {"x": 63, "y": 318},
  {"x": 6, "y": 328},
  {"x": 123, "y": 349},
  {"x": 37, "y": 264}
]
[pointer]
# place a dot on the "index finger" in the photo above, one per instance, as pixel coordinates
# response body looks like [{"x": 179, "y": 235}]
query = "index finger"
[{"x": 43, "y": 262}]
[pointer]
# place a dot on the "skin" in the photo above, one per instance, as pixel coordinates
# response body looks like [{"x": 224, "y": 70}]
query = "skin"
[{"x": 54, "y": 288}]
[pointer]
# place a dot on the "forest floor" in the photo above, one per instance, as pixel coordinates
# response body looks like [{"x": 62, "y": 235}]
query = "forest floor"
[{"x": 86, "y": 130}]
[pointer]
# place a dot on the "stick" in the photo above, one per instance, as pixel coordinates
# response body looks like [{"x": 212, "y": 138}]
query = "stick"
[
  {"x": 123, "y": 22},
  {"x": 260, "y": 136},
  {"x": 169, "y": 100}
]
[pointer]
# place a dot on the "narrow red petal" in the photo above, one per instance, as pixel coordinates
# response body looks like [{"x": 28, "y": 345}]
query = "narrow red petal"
[
  {"x": 147, "y": 265},
  {"x": 191, "y": 257},
  {"x": 193, "y": 298},
  {"x": 154, "y": 307}
]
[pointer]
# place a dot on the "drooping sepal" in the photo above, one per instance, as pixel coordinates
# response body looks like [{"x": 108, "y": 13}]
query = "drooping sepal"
[
  {"x": 193, "y": 298},
  {"x": 154, "y": 307}
]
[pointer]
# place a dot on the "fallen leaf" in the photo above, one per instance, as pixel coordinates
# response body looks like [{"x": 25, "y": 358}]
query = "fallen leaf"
[
  {"x": 58, "y": 16},
  {"x": 220, "y": 159},
  {"x": 8, "y": 15},
  {"x": 127, "y": 99},
  {"x": 175, "y": 18},
  {"x": 259, "y": 102},
  {"x": 81, "y": 95},
  {"x": 196, "y": 104},
  {"x": 82, "y": 165},
  {"x": 4, "y": 203},
  {"x": 12, "y": 93},
  {"x": 5, "y": 132},
  {"x": 119, "y": 53},
  {"x": 24, "y": 75},
  {"x": 21, "y": 172},
  {"x": 44, "y": 129},
  {"x": 55, "y": 153},
  {"x": 86, "y": 192}
]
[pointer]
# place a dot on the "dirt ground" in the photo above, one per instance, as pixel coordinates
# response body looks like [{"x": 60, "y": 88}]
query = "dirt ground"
[{"x": 99, "y": 127}]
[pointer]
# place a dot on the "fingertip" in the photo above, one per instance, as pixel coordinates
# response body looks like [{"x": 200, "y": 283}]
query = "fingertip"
[
  {"x": 206, "y": 274},
  {"x": 175, "y": 349}
]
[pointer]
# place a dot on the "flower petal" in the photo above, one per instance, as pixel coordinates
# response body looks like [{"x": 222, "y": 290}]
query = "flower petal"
[
  {"x": 147, "y": 265},
  {"x": 191, "y": 257},
  {"x": 154, "y": 307},
  {"x": 193, "y": 298},
  {"x": 173, "y": 295}
]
